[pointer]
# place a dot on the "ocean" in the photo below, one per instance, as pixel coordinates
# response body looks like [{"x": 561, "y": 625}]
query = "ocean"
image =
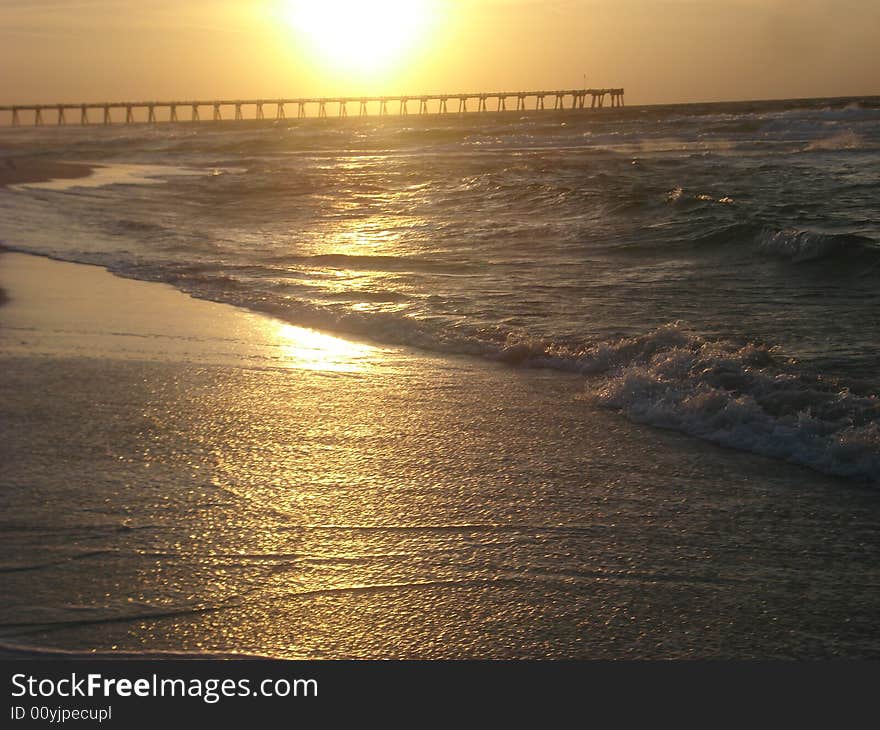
[
  {"x": 708, "y": 268},
  {"x": 616, "y": 394}
]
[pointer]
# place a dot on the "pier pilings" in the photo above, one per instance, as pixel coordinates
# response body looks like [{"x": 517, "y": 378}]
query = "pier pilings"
[{"x": 154, "y": 112}]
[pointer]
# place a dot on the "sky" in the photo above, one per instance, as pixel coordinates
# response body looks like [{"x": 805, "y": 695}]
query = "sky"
[{"x": 660, "y": 51}]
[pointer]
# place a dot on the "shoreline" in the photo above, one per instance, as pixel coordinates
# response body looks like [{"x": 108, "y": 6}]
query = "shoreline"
[
  {"x": 164, "y": 457},
  {"x": 29, "y": 170},
  {"x": 61, "y": 308}
]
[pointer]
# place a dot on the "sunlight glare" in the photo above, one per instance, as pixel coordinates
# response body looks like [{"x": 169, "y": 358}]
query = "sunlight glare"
[
  {"x": 364, "y": 36},
  {"x": 305, "y": 349}
]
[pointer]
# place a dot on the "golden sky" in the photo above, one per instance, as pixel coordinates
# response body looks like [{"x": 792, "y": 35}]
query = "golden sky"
[{"x": 659, "y": 50}]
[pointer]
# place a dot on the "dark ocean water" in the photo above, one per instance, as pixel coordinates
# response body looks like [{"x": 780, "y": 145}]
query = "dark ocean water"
[{"x": 713, "y": 269}]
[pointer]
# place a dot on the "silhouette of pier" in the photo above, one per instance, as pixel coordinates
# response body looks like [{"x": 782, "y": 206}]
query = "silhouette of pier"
[{"x": 154, "y": 112}]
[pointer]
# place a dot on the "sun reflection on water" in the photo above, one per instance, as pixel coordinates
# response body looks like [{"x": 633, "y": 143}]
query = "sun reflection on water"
[{"x": 305, "y": 349}]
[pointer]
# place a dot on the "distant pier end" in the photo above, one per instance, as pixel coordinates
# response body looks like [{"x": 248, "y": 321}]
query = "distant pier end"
[{"x": 153, "y": 112}]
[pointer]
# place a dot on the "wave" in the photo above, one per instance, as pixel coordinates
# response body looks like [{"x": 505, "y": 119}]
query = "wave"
[
  {"x": 744, "y": 397},
  {"x": 747, "y": 238},
  {"x": 747, "y": 397},
  {"x": 805, "y": 245},
  {"x": 844, "y": 140}
]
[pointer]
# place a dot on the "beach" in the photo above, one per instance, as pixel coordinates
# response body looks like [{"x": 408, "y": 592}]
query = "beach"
[
  {"x": 413, "y": 355},
  {"x": 537, "y": 385},
  {"x": 21, "y": 170},
  {"x": 184, "y": 476}
]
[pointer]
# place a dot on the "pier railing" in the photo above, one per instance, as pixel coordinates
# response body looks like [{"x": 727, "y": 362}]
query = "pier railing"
[{"x": 152, "y": 112}]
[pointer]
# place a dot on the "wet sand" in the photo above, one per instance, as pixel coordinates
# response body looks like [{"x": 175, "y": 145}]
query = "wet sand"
[
  {"x": 29, "y": 170},
  {"x": 182, "y": 476},
  {"x": 20, "y": 170}
]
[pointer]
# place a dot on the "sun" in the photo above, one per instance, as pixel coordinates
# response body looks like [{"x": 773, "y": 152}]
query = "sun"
[{"x": 360, "y": 36}]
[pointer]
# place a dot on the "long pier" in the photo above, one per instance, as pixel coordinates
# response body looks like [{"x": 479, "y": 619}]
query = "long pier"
[{"x": 153, "y": 112}]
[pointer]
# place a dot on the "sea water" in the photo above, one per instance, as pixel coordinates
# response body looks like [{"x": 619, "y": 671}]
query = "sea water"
[
  {"x": 610, "y": 388},
  {"x": 710, "y": 268}
]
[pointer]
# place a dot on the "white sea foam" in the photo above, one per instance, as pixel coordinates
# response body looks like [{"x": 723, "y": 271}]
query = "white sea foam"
[
  {"x": 746, "y": 397},
  {"x": 742, "y": 397}
]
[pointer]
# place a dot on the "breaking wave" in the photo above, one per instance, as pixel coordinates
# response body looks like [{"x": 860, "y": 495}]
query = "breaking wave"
[
  {"x": 747, "y": 397},
  {"x": 796, "y": 245},
  {"x": 744, "y": 397}
]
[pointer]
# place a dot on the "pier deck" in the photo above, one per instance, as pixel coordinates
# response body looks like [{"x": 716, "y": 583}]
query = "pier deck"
[{"x": 152, "y": 112}]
